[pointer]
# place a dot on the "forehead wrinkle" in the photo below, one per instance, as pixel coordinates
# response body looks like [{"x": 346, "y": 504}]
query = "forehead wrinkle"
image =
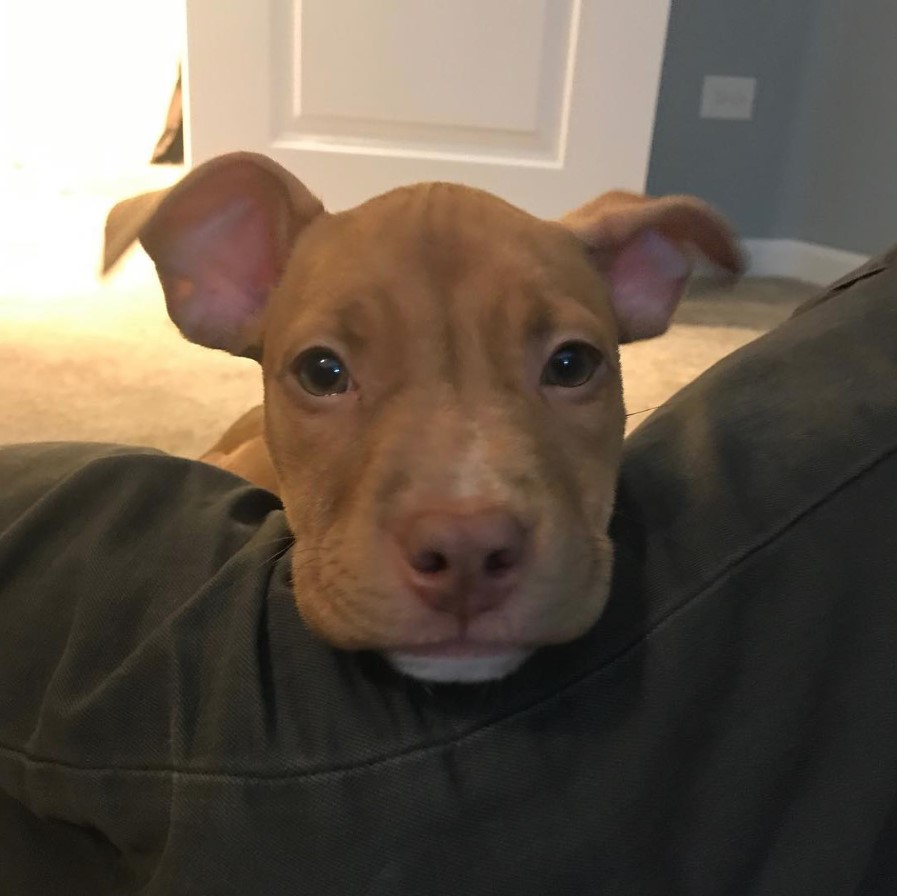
[
  {"x": 355, "y": 319},
  {"x": 450, "y": 247},
  {"x": 540, "y": 320},
  {"x": 478, "y": 302},
  {"x": 439, "y": 246},
  {"x": 354, "y": 316},
  {"x": 512, "y": 333},
  {"x": 351, "y": 318}
]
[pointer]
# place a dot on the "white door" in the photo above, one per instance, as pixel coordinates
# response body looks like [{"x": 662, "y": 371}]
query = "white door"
[{"x": 543, "y": 102}]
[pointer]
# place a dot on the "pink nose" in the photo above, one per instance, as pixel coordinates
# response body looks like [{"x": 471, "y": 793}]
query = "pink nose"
[{"x": 463, "y": 564}]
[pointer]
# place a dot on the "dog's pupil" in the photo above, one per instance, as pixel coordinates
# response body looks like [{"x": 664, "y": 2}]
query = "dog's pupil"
[
  {"x": 326, "y": 370},
  {"x": 571, "y": 365},
  {"x": 568, "y": 365},
  {"x": 320, "y": 372}
]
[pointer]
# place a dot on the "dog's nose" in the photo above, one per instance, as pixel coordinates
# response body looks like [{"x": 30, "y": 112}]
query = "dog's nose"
[{"x": 463, "y": 563}]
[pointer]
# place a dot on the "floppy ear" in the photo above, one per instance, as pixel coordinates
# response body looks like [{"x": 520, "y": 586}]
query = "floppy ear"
[
  {"x": 220, "y": 239},
  {"x": 647, "y": 249}
]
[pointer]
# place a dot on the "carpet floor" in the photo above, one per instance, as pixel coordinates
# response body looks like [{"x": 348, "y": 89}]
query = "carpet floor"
[{"x": 98, "y": 360}]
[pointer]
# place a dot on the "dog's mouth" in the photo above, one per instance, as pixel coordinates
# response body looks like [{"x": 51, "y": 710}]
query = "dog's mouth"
[
  {"x": 459, "y": 660},
  {"x": 457, "y": 648}
]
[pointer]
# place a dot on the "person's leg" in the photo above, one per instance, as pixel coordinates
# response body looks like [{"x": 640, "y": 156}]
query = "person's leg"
[
  {"x": 729, "y": 726},
  {"x": 875, "y": 265},
  {"x": 758, "y": 532}
]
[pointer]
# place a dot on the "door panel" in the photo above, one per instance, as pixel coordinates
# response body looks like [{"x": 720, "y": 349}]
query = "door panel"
[{"x": 544, "y": 102}]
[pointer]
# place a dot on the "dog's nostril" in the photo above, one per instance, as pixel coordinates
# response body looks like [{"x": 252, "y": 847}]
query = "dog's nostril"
[
  {"x": 498, "y": 562},
  {"x": 430, "y": 562}
]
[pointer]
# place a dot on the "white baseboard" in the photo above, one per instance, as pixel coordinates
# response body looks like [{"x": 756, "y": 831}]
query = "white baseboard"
[{"x": 799, "y": 260}]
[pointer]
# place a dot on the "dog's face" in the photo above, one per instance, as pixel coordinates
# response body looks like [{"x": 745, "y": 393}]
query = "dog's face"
[
  {"x": 438, "y": 353},
  {"x": 443, "y": 400}
]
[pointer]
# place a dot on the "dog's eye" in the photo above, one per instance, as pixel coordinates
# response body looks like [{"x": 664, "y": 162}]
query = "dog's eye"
[
  {"x": 321, "y": 372},
  {"x": 572, "y": 365}
]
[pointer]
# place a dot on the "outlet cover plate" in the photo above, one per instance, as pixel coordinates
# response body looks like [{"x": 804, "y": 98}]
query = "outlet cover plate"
[{"x": 728, "y": 98}]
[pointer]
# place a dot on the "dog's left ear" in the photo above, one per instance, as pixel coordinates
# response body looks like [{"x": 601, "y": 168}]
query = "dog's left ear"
[
  {"x": 220, "y": 239},
  {"x": 647, "y": 249}
]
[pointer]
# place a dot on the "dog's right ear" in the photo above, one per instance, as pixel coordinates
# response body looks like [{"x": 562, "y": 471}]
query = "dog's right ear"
[
  {"x": 220, "y": 239},
  {"x": 646, "y": 248}
]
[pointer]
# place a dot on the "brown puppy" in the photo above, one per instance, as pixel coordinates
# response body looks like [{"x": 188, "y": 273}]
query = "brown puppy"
[{"x": 443, "y": 403}]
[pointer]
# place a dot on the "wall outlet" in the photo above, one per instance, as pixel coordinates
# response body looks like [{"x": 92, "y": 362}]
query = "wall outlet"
[{"x": 728, "y": 98}]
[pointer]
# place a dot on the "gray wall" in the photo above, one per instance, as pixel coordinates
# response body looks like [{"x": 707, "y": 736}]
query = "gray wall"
[
  {"x": 840, "y": 184},
  {"x": 736, "y": 165},
  {"x": 818, "y": 160}
]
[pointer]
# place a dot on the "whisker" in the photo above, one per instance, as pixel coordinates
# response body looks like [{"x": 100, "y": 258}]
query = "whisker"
[
  {"x": 643, "y": 411},
  {"x": 285, "y": 542},
  {"x": 281, "y": 539},
  {"x": 274, "y": 557}
]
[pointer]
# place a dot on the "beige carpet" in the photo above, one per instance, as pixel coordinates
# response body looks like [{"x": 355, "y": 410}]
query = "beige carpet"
[{"x": 89, "y": 360}]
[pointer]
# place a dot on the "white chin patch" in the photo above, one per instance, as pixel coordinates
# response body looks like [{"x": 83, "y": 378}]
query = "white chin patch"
[{"x": 460, "y": 669}]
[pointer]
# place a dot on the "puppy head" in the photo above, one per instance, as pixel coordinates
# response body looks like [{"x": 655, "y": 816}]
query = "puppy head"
[{"x": 443, "y": 400}]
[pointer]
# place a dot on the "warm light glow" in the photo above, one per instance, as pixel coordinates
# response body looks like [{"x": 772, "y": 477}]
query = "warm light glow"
[
  {"x": 86, "y": 84},
  {"x": 84, "y": 92}
]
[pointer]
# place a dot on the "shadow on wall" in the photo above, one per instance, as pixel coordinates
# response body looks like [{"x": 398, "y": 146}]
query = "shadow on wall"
[
  {"x": 816, "y": 162},
  {"x": 839, "y": 186}
]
